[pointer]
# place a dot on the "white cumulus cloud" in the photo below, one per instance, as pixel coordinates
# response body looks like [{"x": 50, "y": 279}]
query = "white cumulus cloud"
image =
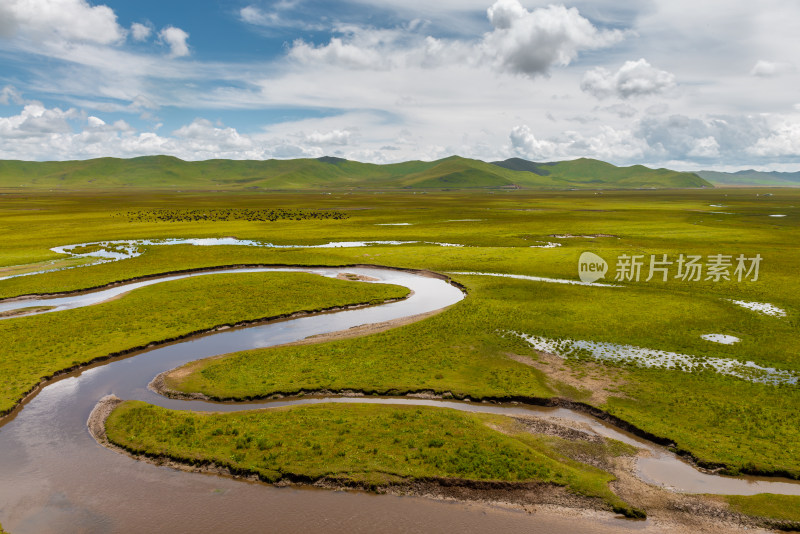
[
  {"x": 678, "y": 136},
  {"x": 606, "y": 143},
  {"x": 530, "y": 42},
  {"x": 176, "y": 39},
  {"x": 351, "y": 55},
  {"x": 140, "y": 32},
  {"x": 525, "y": 143},
  {"x": 35, "y": 120},
  {"x": 97, "y": 124},
  {"x": 205, "y": 132},
  {"x": 522, "y": 42},
  {"x": 783, "y": 140},
  {"x": 504, "y": 13},
  {"x": 634, "y": 78},
  {"x": 64, "y": 20},
  {"x": 334, "y": 137}
]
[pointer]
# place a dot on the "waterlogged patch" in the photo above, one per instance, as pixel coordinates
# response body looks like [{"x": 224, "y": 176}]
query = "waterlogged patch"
[
  {"x": 546, "y": 244},
  {"x": 108, "y": 251},
  {"x": 778, "y": 215},
  {"x": 721, "y": 338},
  {"x": 538, "y": 279},
  {"x": 118, "y": 250},
  {"x": 659, "y": 359},
  {"x": 761, "y": 307},
  {"x": 392, "y": 224},
  {"x": 591, "y": 267}
]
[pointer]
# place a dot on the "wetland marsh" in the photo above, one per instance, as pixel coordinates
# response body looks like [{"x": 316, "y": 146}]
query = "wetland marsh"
[{"x": 722, "y": 423}]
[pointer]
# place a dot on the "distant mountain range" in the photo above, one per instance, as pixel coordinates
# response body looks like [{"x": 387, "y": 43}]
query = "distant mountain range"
[
  {"x": 166, "y": 172},
  {"x": 751, "y": 177}
]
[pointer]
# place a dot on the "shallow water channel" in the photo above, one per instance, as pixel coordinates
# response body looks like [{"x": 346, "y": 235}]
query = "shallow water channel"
[{"x": 55, "y": 478}]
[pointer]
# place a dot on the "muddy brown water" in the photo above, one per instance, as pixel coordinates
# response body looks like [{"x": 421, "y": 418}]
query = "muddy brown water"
[{"x": 55, "y": 478}]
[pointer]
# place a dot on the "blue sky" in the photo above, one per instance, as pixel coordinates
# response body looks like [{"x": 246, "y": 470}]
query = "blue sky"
[{"x": 675, "y": 83}]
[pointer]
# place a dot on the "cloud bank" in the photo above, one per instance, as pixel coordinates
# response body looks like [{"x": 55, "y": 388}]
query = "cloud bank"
[
  {"x": 522, "y": 42},
  {"x": 398, "y": 80}
]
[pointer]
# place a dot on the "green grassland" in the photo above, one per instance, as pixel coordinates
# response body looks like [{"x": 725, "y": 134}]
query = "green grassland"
[
  {"x": 365, "y": 445},
  {"x": 780, "y": 507},
  {"x": 39, "y": 346},
  {"x": 165, "y": 172},
  {"x": 465, "y": 350}
]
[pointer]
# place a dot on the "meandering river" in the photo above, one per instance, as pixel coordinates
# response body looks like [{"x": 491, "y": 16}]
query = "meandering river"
[{"x": 55, "y": 478}]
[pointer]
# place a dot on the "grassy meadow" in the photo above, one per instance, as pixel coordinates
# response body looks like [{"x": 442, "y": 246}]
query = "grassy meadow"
[
  {"x": 360, "y": 444},
  {"x": 468, "y": 350}
]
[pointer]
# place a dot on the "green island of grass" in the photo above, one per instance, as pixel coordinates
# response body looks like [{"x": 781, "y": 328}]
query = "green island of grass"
[{"x": 359, "y": 445}]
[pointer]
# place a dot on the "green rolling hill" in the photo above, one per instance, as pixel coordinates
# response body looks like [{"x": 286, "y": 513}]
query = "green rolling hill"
[
  {"x": 592, "y": 173},
  {"x": 166, "y": 172}
]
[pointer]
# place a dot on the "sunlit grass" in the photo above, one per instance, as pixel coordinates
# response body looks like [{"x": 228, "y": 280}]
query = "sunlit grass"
[
  {"x": 370, "y": 445},
  {"x": 463, "y": 350}
]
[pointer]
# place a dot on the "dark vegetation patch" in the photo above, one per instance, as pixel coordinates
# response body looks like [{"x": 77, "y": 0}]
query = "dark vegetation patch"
[{"x": 230, "y": 214}]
